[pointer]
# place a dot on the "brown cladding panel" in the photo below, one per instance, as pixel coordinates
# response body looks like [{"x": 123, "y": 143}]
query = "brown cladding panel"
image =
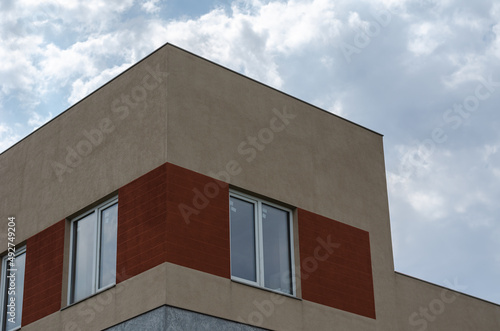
[
  {"x": 44, "y": 273},
  {"x": 142, "y": 212},
  {"x": 198, "y": 222},
  {"x": 335, "y": 264},
  {"x": 152, "y": 228}
]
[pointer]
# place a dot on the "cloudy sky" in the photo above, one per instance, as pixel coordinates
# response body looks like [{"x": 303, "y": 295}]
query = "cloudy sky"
[{"x": 424, "y": 73}]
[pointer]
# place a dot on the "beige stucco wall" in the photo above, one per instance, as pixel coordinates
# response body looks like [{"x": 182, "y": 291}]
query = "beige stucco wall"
[
  {"x": 132, "y": 143},
  {"x": 200, "y": 117},
  {"x": 193, "y": 290},
  {"x": 190, "y": 289},
  {"x": 318, "y": 162},
  {"x": 424, "y": 306}
]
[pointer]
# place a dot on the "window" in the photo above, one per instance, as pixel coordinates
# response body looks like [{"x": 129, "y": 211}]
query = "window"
[
  {"x": 261, "y": 243},
  {"x": 93, "y": 251},
  {"x": 13, "y": 266}
]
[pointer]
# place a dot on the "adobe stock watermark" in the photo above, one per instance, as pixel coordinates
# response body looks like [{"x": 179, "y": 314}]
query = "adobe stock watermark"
[
  {"x": 120, "y": 109},
  {"x": 436, "y": 307},
  {"x": 11, "y": 272},
  {"x": 453, "y": 118},
  {"x": 89, "y": 308},
  {"x": 362, "y": 39},
  {"x": 266, "y": 308},
  {"x": 248, "y": 149}
]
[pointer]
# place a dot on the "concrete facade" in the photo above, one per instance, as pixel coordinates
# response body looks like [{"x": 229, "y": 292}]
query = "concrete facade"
[
  {"x": 176, "y": 108},
  {"x": 171, "y": 319}
]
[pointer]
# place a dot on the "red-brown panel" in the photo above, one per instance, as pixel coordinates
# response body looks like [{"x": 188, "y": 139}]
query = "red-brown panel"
[
  {"x": 142, "y": 212},
  {"x": 43, "y": 274},
  {"x": 335, "y": 264},
  {"x": 198, "y": 221},
  {"x": 154, "y": 225}
]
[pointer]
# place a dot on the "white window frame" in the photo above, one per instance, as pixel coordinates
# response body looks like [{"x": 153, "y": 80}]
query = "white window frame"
[
  {"x": 3, "y": 288},
  {"x": 257, "y": 202},
  {"x": 96, "y": 252}
]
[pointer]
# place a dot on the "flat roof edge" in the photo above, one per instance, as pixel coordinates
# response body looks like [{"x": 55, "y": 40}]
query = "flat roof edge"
[
  {"x": 87, "y": 96},
  {"x": 447, "y": 288},
  {"x": 167, "y": 44},
  {"x": 273, "y": 88}
]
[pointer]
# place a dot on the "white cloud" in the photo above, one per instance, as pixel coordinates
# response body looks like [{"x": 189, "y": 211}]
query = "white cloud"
[
  {"x": 33, "y": 64},
  {"x": 491, "y": 156},
  {"x": 355, "y": 21},
  {"x": 411, "y": 183},
  {"x": 297, "y": 24},
  {"x": 425, "y": 37},
  {"x": 8, "y": 136},
  {"x": 327, "y": 61},
  {"x": 337, "y": 108},
  {"x": 249, "y": 38},
  {"x": 17, "y": 68},
  {"x": 468, "y": 20},
  {"x": 490, "y": 150},
  {"x": 495, "y": 46},
  {"x": 151, "y": 6},
  {"x": 36, "y": 120},
  {"x": 434, "y": 186},
  {"x": 429, "y": 204},
  {"x": 469, "y": 67}
]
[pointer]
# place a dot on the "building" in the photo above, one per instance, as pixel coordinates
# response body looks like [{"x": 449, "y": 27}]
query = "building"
[{"x": 184, "y": 196}]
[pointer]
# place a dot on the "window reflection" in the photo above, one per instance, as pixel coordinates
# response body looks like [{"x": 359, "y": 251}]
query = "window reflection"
[
  {"x": 109, "y": 222},
  {"x": 94, "y": 251},
  {"x": 261, "y": 244},
  {"x": 85, "y": 241},
  {"x": 276, "y": 244},
  {"x": 243, "y": 239}
]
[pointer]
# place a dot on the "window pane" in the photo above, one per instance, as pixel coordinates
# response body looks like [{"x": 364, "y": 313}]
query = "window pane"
[
  {"x": 107, "y": 270},
  {"x": 243, "y": 239},
  {"x": 83, "y": 270},
  {"x": 276, "y": 245},
  {"x": 18, "y": 297}
]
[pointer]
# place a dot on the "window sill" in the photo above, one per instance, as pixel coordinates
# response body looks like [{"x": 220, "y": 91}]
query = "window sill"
[
  {"x": 91, "y": 296},
  {"x": 242, "y": 282}
]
